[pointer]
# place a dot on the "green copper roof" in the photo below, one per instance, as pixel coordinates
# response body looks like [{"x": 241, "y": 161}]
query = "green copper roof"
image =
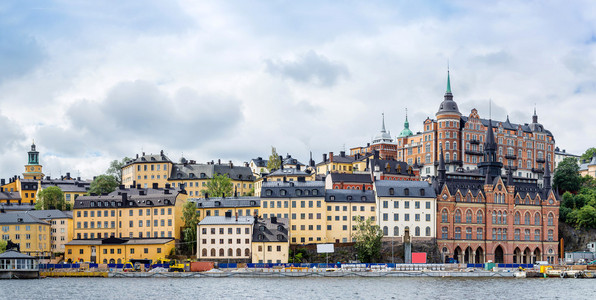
[
  {"x": 448, "y": 83},
  {"x": 406, "y": 131}
]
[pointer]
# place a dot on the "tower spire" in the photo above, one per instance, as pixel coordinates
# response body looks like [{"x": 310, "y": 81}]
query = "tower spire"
[
  {"x": 383, "y": 127},
  {"x": 448, "y": 91}
]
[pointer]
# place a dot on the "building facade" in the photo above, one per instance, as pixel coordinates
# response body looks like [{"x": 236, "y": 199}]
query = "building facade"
[
  {"x": 270, "y": 242},
  {"x": 241, "y": 206},
  {"x": 118, "y": 251},
  {"x": 225, "y": 237},
  {"x": 29, "y": 232},
  {"x": 482, "y": 216},
  {"x": 60, "y": 227}
]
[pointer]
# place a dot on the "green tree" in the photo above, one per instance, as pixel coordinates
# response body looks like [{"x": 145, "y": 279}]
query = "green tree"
[
  {"x": 103, "y": 184},
  {"x": 2, "y": 246},
  {"x": 51, "y": 198},
  {"x": 190, "y": 217},
  {"x": 566, "y": 176},
  {"x": 219, "y": 185},
  {"x": 588, "y": 154},
  {"x": 115, "y": 168},
  {"x": 586, "y": 217},
  {"x": 274, "y": 161},
  {"x": 368, "y": 241}
]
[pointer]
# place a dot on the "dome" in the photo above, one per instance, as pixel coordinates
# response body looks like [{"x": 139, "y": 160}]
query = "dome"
[
  {"x": 384, "y": 136},
  {"x": 406, "y": 131},
  {"x": 448, "y": 105}
]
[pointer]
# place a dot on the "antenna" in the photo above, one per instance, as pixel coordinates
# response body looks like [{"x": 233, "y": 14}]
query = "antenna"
[{"x": 490, "y": 114}]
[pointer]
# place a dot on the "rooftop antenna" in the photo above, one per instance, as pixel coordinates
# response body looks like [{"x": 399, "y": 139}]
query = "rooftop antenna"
[{"x": 490, "y": 114}]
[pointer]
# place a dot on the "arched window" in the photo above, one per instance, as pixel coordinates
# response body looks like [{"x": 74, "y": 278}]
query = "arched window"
[
  {"x": 479, "y": 217},
  {"x": 457, "y": 197},
  {"x": 385, "y": 231},
  {"x": 455, "y": 148},
  {"x": 517, "y": 218},
  {"x": 468, "y": 198},
  {"x": 447, "y": 145},
  {"x": 457, "y": 216},
  {"x": 444, "y": 216},
  {"x": 504, "y": 217},
  {"x": 499, "y": 218},
  {"x": 469, "y": 216},
  {"x": 238, "y": 252},
  {"x": 454, "y": 153},
  {"x": 427, "y": 230},
  {"x": 537, "y": 219},
  {"x": 213, "y": 252},
  {"x": 417, "y": 231},
  {"x": 395, "y": 231},
  {"x": 550, "y": 219},
  {"x": 391, "y": 191},
  {"x": 246, "y": 252},
  {"x": 221, "y": 252},
  {"x": 494, "y": 217},
  {"x": 406, "y": 191},
  {"x": 204, "y": 252},
  {"x": 516, "y": 200},
  {"x": 550, "y": 235},
  {"x": 527, "y": 218}
]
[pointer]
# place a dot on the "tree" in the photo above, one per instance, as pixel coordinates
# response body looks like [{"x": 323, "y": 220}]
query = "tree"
[
  {"x": 2, "y": 246},
  {"x": 587, "y": 156},
  {"x": 274, "y": 161},
  {"x": 190, "y": 217},
  {"x": 566, "y": 176},
  {"x": 586, "y": 217},
  {"x": 368, "y": 241},
  {"x": 103, "y": 184},
  {"x": 115, "y": 168},
  {"x": 219, "y": 185},
  {"x": 51, "y": 198}
]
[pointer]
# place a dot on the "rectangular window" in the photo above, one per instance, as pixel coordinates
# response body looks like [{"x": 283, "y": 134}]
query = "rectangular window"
[
  {"x": 396, "y": 204},
  {"x": 406, "y": 204},
  {"x": 385, "y": 217},
  {"x": 417, "y": 204},
  {"x": 407, "y": 217}
]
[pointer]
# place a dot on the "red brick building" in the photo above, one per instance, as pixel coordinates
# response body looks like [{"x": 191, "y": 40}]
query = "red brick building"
[{"x": 482, "y": 216}]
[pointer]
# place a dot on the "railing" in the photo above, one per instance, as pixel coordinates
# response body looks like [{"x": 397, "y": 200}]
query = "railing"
[
  {"x": 535, "y": 170},
  {"x": 472, "y": 152},
  {"x": 510, "y": 156},
  {"x": 474, "y": 141}
]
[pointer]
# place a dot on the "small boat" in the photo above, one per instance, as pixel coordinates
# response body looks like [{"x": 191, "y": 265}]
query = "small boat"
[{"x": 519, "y": 274}]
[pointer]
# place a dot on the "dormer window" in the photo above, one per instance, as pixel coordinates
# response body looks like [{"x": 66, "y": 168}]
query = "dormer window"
[
  {"x": 298, "y": 192},
  {"x": 391, "y": 191},
  {"x": 406, "y": 191},
  {"x": 268, "y": 192},
  {"x": 331, "y": 198},
  {"x": 422, "y": 192},
  {"x": 283, "y": 192},
  {"x": 363, "y": 198}
]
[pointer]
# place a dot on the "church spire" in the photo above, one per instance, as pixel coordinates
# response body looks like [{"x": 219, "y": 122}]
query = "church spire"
[{"x": 448, "y": 91}]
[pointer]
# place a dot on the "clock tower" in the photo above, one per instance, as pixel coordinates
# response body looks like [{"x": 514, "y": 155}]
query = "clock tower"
[{"x": 33, "y": 168}]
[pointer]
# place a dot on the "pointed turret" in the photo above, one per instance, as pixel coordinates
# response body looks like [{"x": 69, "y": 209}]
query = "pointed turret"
[
  {"x": 406, "y": 131},
  {"x": 490, "y": 166},
  {"x": 546, "y": 178},
  {"x": 509, "y": 177},
  {"x": 487, "y": 179},
  {"x": 535, "y": 116},
  {"x": 448, "y": 91},
  {"x": 441, "y": 169},
  {"x": 448, "y": 106}
]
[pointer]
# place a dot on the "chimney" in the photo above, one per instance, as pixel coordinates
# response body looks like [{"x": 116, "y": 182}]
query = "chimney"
[
  {"x": 167, "y": 185},
  {"x": 143, "y": 153},
  {"x": 68, "y": 175},
  {"x": 331, "y": 156},
  {"x": 273, "y": 220},
  {"x": 124, "y": 197},
  {"x": 219, "y": 161},
  {"x": 2, "y": 181},
  {"x": 78, "y": 178},
  {"x": 231, "y": 165},
  {"x": 298, "y": 167},
  {"x": 161, "y": 152},
  {"x": 342, "y": 153},
  {"x": 235, "y": 192},
  {"x": 363, "y": 187},
  {"x": 1, "y": 189},
  {"x": 137, "y": 156},
  {"x": 236, "y": 216},
  {"x": 324, "y": 157},
  {"x": 206, "y": 195},
  {"x": 228, "y": 214},
  {"x": 155, "y": 186},
  {"x": 138, "y": 185},
  {"x": 376, "y": 154}
]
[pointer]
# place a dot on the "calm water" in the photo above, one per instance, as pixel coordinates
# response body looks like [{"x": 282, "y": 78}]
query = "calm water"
[{"x": 298, "y": 288}]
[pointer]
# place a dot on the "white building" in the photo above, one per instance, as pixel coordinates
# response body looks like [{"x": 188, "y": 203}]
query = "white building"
[
  {"x": 402, "y": 204},
  {"x": 225, "y": 237}
]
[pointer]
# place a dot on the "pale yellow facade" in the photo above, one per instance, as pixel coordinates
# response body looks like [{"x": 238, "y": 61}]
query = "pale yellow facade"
[
  {"x": 307, "y": 217},
  {"x": 94, "y": 251},
  {"x": 198, "y": 187},
  {"x": 33, "y": 238},
  {"x": 270, "y": 252},
  {"x": 146, "y": 173},
  {"x": 342, "y": 219}
]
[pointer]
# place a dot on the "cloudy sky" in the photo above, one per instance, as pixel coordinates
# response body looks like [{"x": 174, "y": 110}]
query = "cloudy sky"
[{"x": 94, "y": 81}]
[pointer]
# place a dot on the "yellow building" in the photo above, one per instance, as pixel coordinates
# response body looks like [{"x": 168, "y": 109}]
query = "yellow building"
[
  {"x": 285, "y": 174},
  {"x": 31, "y": 233},
  {"x": 270, "y": 242},
  {"x": 115, "y": 250},
  {"x": 343, "y": 210},
  {"x": 130, "y": 213},
  {"x": 72, "y": 188},
  {"x": 241, "y": 206},
  {"x": 225, "y": 237},
  {"x": 588, "y": 168},
  {"x": 341, "y": 164},
  {"x": 196, "y": 176},
  {"x": 7, "y": 198},
  {"x": 146, "y": 170},
  {"x": 27, "y": 189},
  {"x": 302, "y": 203},
  {"x": 33, "y": 168},
  {"x": 60, "y": 227}
]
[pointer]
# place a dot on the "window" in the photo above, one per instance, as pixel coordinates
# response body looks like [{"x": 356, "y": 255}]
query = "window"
[
  {"x": 444, "y": 216},
  {"x": 550, "y": 235},
  {"x": 444, "y": 233},
  {"x": 537, "y": 219},
  {"x": 469, "y": 233},
  {"x": 527, "y": 234},
  {"x": 516, "y": 234},
  {"x": 427, "y": 231},
  {"x": 550, "y": 219},
  {"x": 537, "y": 235},
  {"x": 385, "y": 231},
  {"x": 479, "y": 217},
  {"x": 479, "y": 234},
  {"x": 469, "y": 216},
  {"x": 417, "y": 231},
  {"x": 457, "y": 217},
  {"x": 457, "y": 233},
  {"x": 517, "y": 218}
]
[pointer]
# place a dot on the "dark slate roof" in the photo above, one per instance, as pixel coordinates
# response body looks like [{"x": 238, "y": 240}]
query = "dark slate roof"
[
  {"x": 267, "y": 231},
  {"x": 288, "y": 172},
  {"x": 350, "y": 196},
  {"x": 10, "y": 195},
  {"x": 223, "y": 220},
  {"x": 292, "y": 189},
  {"x": 149, "y": 198},
  {"x": 533, "y": 127},
  {"x": 393, "y": 167},
  {"x": 348, "y": 178},
  {"x": 415, "y": 188},
  {"x": 29, "y": 184},
  {"x": 118, "y": 241},
  {"x": 207, "y": 171},
  {"x": 260, "y": 162},
  {"x": 19, "y": 218},
  {"x": 16, "y": 207},
  {"x": 227, "y": 202},
  {"x": 346, "y": 159},
  {"x": 49, "y": 214},
  {"x": 289, "y": 160},
  {"x": 149, "y": 158},
  {"x": 67, "y": 185},
  {"x": 11, "y": 254}
]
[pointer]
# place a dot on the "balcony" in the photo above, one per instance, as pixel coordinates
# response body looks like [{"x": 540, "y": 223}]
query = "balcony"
[
  {"x": 540, "y": 160},
  {"x": 535, "y": 170},
  {"x": 472, "y": 152},
  {"x": 473, "y": 141},
  {"x": 510, "y": 156}
]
